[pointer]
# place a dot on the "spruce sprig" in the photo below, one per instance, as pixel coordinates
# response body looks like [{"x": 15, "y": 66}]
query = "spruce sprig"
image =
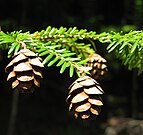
[
  {"x": 128, "y": 47},
  {"x": 77, "y": 45},
  {"x": 64, "y": 52}
]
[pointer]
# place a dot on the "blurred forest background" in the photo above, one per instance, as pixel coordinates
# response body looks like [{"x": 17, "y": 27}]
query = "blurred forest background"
[{"x": 45, "y": 112}]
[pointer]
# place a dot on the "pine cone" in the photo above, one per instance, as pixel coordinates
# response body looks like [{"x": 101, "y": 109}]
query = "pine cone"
[
  {"x": 24, "y": 71},
  {"x": 98, "y": 65},
  {"x": 84, "y": 98}
]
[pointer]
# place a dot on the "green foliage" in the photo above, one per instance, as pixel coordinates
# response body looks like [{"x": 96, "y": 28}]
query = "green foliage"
[
  {"x": 128, "y": 47},
  {"x": 70, "y": 47},
  {"x": 62, "y": 47}
]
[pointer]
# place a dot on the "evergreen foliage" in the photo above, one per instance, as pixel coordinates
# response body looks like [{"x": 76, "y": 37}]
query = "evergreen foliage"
[
  {"x": 70, "y": 47},
  {"x": 128, "y": 47}
]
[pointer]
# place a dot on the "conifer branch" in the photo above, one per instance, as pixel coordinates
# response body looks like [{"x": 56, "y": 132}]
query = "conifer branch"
[{"x": 127, "y": 46}]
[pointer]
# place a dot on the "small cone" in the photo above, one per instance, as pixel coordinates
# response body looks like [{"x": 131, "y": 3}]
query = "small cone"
[
  {"x": 84, "y": 98},
  {"x": 98, "y": 65},
  {"x": 25, "y": 70}
]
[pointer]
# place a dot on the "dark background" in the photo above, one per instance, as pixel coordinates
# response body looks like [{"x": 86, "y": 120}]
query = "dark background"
[{"x": 45, "y": 112}]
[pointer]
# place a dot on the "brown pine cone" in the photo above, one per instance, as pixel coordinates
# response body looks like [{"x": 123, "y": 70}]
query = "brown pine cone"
[
  {"x": 25, "y": 70},
  {"x": 84, "y": 98},
  {"x": 98, "y": 65}
]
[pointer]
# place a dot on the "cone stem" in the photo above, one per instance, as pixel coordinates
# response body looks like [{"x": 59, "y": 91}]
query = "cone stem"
[{"x": 23, "y": 45}]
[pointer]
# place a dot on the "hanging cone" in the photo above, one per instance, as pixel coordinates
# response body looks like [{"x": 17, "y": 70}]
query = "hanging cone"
[
  {"x": 24, "y": 70},
  {"x": 84, "y": 98},
  {"x": 97, "y": 64}
]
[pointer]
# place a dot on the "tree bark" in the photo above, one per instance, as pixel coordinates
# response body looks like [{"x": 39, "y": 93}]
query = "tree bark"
[
  {"x": 14, "y": 108},
  {"x": 134, "y": 95}
]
